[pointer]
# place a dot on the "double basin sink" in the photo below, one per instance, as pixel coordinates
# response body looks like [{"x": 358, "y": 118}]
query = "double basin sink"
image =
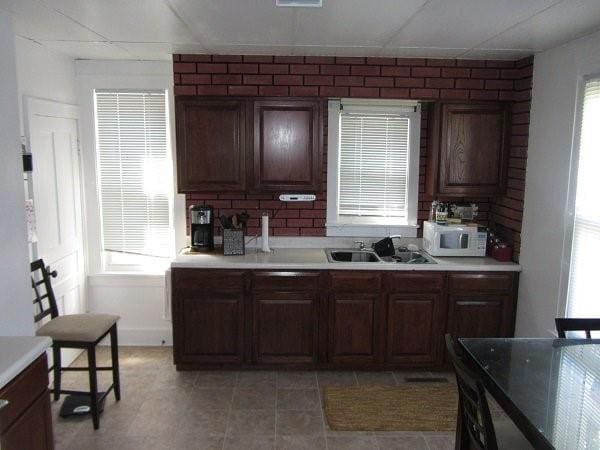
[{"x": 369, "y": 256}]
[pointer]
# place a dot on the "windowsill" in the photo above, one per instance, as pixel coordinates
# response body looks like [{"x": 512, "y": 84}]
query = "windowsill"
[
  {"x": 370, "y": 230},
  {"x": 140, "y": 279}
]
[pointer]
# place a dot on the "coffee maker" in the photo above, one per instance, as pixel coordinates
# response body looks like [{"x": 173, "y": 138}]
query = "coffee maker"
[{"x": 202, "y": 230}]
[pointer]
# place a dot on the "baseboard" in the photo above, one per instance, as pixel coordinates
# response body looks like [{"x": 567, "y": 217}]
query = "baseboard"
[{"x": 148, "y": 337}]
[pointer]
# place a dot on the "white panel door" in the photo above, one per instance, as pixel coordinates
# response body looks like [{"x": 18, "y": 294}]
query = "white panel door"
[{"x": 52, "y": 132}]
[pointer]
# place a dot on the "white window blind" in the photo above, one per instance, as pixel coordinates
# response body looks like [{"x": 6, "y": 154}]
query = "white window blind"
[
  {"x": 373, "y": 166},
  {"x": 582, "y": 299},
  {"x": 134, "y": 172}
]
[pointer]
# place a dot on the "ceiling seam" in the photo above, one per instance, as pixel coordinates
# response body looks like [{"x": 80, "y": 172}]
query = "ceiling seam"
[
  {"x": 198, "y": 39},
  {"x": 387, "y": 42},
  {"x": 480, "y": 45}
]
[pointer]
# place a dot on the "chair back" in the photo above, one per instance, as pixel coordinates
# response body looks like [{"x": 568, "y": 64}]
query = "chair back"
[
  {"x": 473, "y": 409},
  {"x": 44, "y": 300},
  {"x": 565, "y": 325}
]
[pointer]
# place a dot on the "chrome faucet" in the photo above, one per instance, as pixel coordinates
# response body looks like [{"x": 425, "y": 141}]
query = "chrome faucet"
[{"x": 361, "y": 244}]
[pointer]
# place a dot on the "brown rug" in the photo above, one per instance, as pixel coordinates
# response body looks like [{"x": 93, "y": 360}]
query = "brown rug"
[{"x": 410, "y": 407}]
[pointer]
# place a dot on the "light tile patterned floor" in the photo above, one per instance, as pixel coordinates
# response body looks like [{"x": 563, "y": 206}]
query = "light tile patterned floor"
[{"x": 165, "y": 409}]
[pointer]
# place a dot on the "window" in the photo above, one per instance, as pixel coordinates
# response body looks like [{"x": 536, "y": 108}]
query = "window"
[
  {"x": 134, "y": 176},
  {"x": 582, "y": 296},
  {"x": 373, "y": 168}
]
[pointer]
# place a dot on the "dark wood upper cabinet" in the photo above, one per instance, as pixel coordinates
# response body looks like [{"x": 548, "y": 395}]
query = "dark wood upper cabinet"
[
  {"x": 287, "y": 145},
  {"x": 211, "y": 144},
  {"x": 468, "y": 149}
]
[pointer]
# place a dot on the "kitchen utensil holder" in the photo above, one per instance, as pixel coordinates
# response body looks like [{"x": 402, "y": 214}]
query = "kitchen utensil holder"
[{"x": 233, "y": 242}]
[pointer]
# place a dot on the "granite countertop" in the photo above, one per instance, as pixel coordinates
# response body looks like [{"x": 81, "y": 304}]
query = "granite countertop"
[
  {"x": 315, "y": 258},
  {"x": 18, "y": 352}
]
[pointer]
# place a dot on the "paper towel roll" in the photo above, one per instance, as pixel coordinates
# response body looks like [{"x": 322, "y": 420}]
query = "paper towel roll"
[{"x": 265, "y": 234}]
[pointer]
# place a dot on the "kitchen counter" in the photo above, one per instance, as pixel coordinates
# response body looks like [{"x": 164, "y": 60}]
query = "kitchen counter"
[
  {"x": 315, "y": 258},
  {"x": 17, "y": 353}
]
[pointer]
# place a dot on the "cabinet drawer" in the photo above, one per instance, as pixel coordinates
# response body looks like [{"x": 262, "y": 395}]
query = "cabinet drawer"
[
  {"x": 202, "y": 280},
  {"x": 23, "y": 390},
  {"x": 285, "y": 281},
  {"x": 481, "y": 282},
  {"x": 354, "y": 281},
  {"x": 415, "y": 282}
]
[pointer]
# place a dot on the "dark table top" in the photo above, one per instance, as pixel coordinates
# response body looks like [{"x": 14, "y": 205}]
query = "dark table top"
[{"x": 549, "y": 387}]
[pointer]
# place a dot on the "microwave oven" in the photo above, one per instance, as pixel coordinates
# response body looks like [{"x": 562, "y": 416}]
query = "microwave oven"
[{"x": 453, "y": 240}]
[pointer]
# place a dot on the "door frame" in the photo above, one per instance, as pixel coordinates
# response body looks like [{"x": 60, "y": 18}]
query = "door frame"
[{"x": 34, "y": 106}]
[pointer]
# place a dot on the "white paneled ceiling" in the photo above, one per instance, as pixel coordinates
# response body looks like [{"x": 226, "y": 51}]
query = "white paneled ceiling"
[{"x": 154, "y": 29}]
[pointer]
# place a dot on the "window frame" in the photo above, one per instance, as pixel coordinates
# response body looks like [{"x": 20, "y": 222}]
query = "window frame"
[
  {"x": 125, "y": 76},
  {"x": 569, "y": 215},
  {"x": 372, "y": 226}
]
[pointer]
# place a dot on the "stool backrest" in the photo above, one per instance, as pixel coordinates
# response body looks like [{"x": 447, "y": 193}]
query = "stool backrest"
[
  {"x": 587, "y": 325},
  {"x": 44, "y": 299},
  {"x": 473, "y": 407}
]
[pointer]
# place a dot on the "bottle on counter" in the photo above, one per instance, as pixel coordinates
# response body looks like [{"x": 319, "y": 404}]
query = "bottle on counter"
[
  {"x": 441, "y": 215},
  {"x": 433, "y": 211}
]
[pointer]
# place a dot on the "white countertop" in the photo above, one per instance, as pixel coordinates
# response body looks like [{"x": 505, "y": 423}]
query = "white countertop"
[
  {"x": 315, "y": 258},
  {"x": 18, "y": 352}
]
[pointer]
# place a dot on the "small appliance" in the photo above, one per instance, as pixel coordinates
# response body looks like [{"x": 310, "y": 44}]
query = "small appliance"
[
  {"x": 453, "y": 240},
  {"x": 202, "y": 228}
]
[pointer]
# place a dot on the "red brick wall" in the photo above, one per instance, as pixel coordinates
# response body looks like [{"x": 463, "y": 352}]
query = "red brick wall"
[{"x": 400, "y": 78}]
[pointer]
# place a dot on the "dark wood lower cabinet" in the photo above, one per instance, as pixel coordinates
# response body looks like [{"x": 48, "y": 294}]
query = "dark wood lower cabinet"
[
  {"x": 285, "y": 328},
  {"x": 333, "y": 319},
  {"x": 26, "y": 422},
  {"x": 415, "y": 325},
  {"x": 354, "y": 328}
]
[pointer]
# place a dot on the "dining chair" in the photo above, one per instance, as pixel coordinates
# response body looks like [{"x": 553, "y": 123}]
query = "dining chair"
[
  {"x": 563, "y": 326},
  {"x": 475, "y": 428},
  {"x": 78, "y": 331}
]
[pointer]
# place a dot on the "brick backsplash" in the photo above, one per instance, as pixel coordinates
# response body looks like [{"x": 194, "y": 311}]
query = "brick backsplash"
[{"x": 400, "y": 78}]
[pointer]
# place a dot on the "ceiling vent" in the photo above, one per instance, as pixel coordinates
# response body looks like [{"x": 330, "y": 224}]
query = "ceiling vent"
[{"x": 300, "y": 3}]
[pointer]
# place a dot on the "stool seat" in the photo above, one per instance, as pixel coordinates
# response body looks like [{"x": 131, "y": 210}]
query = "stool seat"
[{"x": 78, "y": 327}]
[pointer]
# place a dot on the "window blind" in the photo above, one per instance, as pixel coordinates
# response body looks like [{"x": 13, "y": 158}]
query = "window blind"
[
  {"x": 582, "y": 299},
  {"x": 134, "y": 172},
  {"x": 373, "y": 167}
]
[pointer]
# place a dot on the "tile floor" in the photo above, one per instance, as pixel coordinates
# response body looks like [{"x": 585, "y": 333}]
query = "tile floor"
[{"x": 165, "y": 409}]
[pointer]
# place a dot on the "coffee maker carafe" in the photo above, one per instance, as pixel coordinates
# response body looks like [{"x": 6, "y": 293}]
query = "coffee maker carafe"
[{"x": 202, "y": 231}]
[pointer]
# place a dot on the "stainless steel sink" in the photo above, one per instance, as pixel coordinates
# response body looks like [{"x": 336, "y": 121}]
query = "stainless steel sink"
[
  {"x": 352, "y": 256},
  {"x": 344, "y": 255}
]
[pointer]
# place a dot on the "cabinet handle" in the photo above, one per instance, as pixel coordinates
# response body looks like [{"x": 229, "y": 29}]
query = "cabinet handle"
[
  {"x": 3, "y": 403},
  {"x": 475, "y": 303}
]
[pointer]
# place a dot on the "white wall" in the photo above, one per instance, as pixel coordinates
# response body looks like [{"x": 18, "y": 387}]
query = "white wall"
[
  {"x": 16, "y": 312},
  {"x": 139, "y": 299},
  {"x": 557, "y": 82},
  {"x": 44, "y": 73}
]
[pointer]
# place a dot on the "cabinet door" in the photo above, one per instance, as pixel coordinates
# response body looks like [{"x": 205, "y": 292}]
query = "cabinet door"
[
  {"x": 354, "y": 328},
  {"x": 211, "y": 144},
  {"x": 478, "y": 316},
  {"x": 415, "y": 328},
  {"x": 212, "y": 328},
  {"x": 285, "y": 327},
  {"x": 208, "y": 316},
  {"x": 472, "y": 148},
  {"x": 287, "y": 145},
  {"x": 33, "y": 430}
]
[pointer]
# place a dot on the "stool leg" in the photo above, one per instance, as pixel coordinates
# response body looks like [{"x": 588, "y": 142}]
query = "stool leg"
[
  {"x": 114, "y": 350},
  {"x": 57, "y": 366},
  {"x": 91, "y": 351}
]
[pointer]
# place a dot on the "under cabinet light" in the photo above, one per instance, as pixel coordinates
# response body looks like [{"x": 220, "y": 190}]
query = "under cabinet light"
[{"x": 299, "y": 3}]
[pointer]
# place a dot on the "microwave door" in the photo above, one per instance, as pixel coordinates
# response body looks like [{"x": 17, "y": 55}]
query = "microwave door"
[
  {"x": 449, "y": 241},
  {"x": 454, "y": 241}
]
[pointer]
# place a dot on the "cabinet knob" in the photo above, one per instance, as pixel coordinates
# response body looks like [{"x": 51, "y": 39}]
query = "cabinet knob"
[{"x": 3, "y": 403}]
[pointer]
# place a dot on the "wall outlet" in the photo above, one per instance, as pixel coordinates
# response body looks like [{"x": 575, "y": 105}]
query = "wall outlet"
[{"x": 297, "y": 197}]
